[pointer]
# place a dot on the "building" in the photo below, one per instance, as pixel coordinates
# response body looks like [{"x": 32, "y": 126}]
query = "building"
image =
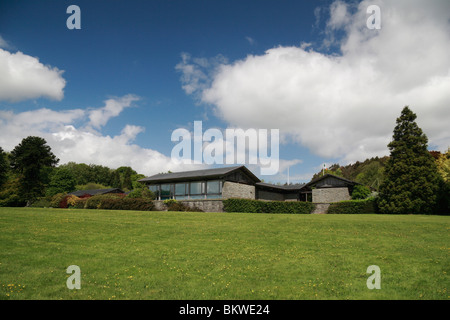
[{"x": 240, "y": 182}]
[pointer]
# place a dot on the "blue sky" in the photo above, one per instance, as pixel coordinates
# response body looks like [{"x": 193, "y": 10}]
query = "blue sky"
[{"x": 141, "y": 56}]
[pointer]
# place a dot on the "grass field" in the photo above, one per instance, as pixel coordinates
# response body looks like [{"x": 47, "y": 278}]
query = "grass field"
[{"x": 175, "y": 255}]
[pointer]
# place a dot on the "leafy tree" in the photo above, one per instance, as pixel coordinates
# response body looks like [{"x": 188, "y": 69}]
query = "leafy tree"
[
  {"x": 61, "y": 181},
  {"x": 360, "y": 192},
  {"x": 90, "y": 186},
  {"x": 443, "y": 164},
  {"x": 3, "y": 167},
  {"x": 9, "y": 194},
  {"x": 412, "y": 181},
  {"x": 371, "y": 174},
  {"x": 31, "y": 159},
  {"x": 115, "y": 180}
]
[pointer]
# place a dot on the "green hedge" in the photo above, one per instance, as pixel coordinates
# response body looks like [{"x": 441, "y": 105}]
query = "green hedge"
[
  {"x": 114, "y": 202},
  {"x": 353, "y": 207},
  {"x": 259, "y": 206}
]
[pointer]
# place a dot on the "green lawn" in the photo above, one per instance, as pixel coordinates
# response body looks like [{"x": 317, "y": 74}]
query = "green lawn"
[{"x": 176, "y": 255}]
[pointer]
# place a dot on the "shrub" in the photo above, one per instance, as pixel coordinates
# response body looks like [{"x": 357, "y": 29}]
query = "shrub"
[
  {"x": 71, "y": 200},
  {"x": 259, "y": 206},
  {"x": 95, "y": 202},
  {"x": 57, "y": 200},
  {"x": 141, "y": 193},
  {"x": 139, "y": 204},
  {"x": 353, "y": 207},
  {"x": 80, "y": 203},
  {"x": 44, "y": 202},
  {"x": 360, "y": 192}
]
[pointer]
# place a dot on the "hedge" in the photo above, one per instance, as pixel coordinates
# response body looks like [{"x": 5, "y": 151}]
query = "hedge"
[
  {"x": 353, "y": 207},
  {"x": 114, "y": 202},
  {"x": 260, "y": 206}
]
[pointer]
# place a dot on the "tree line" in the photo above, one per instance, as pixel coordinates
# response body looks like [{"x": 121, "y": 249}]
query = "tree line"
[
  {"x": 410, "y": 180},
  {"x": 30, "y": 172}
]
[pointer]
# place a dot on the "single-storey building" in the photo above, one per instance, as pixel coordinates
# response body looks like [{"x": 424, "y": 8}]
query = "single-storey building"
[{"x": 240, "y": 182}]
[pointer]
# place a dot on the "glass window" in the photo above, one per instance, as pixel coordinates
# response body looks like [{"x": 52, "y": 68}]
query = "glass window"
[
  {"x": 213, "y": 196},
  {"x": 180, "y": 189},
  {"x": 196, "y": 188},
  {"x": 213, "y": 187},
  {"x": 197, "y": 197},
  {"x": 166, "y": 190},
  {"x": 153, "y": 188}
]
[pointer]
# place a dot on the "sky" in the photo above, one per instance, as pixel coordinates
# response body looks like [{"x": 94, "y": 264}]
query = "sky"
[{"x": 114, "y": 91}]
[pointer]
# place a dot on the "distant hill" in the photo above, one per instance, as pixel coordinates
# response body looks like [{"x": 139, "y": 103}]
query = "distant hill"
[{"x": 370, "y": 172}]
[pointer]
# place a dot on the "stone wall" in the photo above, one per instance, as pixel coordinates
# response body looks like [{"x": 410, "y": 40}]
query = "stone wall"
[
  {"x": 206, "y": 205},
  {"x": 237, "y": 190},
  {"x": 330, "y": 195}
]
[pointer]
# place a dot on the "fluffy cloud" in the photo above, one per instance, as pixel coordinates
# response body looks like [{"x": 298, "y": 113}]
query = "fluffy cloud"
[
  {"x": 344, "y": 105},
  {"x": 24, "y": 77},
  {"x": 113, "y": 107},
  {"x": 83, "y": 144}
]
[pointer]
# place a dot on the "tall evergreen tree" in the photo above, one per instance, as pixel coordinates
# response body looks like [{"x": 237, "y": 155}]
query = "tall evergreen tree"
[
  {"x": 412, "y": 182},
  {"x": 31, "y": 159}
]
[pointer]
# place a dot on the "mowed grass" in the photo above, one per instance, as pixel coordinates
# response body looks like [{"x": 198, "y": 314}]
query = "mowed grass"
[{"x": 175, "y": 255}]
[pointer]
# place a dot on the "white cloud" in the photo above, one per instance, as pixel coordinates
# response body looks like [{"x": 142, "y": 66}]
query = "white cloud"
[
  {"x": 4, "y": 44},
  {"x": 82, "y": 144},
  {"x": 345, "y": 105},
  {"x": 24, "y": 77},
  {"x": 113, "y": 107},
  {"x": 250, "y": 40}
]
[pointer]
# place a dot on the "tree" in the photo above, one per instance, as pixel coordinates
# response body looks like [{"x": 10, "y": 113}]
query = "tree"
[
  {"x": 31, "y": 159},
  {"x": 412, "y": 182},
  {"x": 371, "y": 175},
  {"x": 443, "y": 163},
  {"x": 61, "y": 181},
  {"x": 360, "y": 192},
  {"x": 3, "y": 168}
]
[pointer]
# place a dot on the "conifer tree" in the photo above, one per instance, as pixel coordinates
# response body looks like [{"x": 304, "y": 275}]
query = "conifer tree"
[{"x": 412, "y": 182}]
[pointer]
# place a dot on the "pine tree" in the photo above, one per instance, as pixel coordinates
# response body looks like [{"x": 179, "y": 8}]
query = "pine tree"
[
  {"x": 31, "y": 159},
  {"x": 412, "y": 182}
]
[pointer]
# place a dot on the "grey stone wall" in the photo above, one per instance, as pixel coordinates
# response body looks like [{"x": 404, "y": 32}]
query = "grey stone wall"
[
  {"x": 211, "y": 205},
  {"x": 237, "y": 190},
  {"x": 206, "y": 205},
  {"x": 330, "y": 195}
]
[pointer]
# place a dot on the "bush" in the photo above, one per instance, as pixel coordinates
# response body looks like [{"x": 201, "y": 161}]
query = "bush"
[
  {"x": 44, "y": 202},
  {"x": 139, "y": 204},
  {"x": 71, "y": 200},
  {"x": 259, "y": 206},
  {"x": 58, "y": 201},
  {"x": 353, "y": 207},
  {"x": 360, "y": 192},
  {"x": 141, "y": 193},
  {"x": 80, "y": 203},
  {"x": 95, "y": 202}
]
